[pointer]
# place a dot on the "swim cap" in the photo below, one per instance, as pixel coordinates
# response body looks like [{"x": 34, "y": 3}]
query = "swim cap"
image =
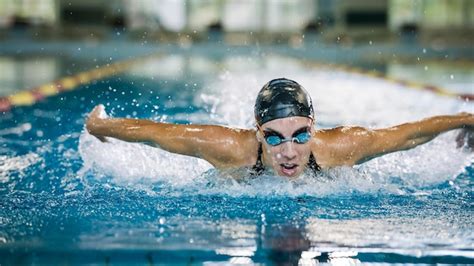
[{"x": 282, "y": 98}]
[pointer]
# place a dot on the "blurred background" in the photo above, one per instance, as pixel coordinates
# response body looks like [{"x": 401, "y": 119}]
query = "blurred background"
[{"x": 426, "y": 41}]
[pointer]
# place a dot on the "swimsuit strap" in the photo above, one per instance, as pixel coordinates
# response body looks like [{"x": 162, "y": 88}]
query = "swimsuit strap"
[{"x": 258, "y": 168}]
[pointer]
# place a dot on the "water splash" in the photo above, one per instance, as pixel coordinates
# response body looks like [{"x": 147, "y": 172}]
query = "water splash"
[{"x": 11, "y": 166}]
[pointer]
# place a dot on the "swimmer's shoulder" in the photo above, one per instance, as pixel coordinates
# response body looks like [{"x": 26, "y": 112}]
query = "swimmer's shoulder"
[
  {"x": 242, "y": 153},
  {"x": 335, "y": 147},
  {"x": 335, "y": 134}
]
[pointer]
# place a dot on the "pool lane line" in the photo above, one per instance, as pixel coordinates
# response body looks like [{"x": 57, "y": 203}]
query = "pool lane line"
[
  {"x": 377, "y": 74},
  {"x": 67, "y": 83}
]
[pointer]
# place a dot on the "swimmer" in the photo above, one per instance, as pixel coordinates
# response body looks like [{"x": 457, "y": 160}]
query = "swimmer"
[{"x": 285, "y": 141}]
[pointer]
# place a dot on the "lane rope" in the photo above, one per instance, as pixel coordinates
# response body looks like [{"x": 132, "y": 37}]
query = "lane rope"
[{"x": 68, "y": 83}]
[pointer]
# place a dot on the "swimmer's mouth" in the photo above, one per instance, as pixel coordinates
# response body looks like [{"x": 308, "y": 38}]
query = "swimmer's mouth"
[
  {"x": 288, "y": 169},
  {"x": 289, "y": 166}
]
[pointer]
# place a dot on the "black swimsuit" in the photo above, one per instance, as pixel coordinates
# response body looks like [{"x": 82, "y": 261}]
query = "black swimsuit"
[{"x": 258, "y": 168}]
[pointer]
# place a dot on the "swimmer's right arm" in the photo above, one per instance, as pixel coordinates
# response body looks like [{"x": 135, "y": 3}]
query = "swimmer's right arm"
[
  {"x": 218, "y": 145},
  {"x": 374, "y": 143}
]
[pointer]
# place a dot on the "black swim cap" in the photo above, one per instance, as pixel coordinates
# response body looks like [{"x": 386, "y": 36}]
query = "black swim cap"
[{"x": 282, "y": 98}]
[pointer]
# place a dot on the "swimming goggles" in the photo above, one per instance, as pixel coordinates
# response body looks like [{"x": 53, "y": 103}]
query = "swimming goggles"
[{"x": 274, "y": 139}]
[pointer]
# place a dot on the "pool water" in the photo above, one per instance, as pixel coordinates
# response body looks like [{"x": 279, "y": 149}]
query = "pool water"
[{"x": 67, "y": 198}]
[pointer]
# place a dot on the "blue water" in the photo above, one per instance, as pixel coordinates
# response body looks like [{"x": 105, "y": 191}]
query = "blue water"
[{"x": 67, "y": 198}]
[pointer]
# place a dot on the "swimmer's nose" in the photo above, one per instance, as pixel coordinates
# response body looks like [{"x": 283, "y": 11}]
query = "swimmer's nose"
[{"x": 288, "y": 150}]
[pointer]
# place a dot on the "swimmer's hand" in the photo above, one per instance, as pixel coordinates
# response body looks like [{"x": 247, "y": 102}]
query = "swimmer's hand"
[
  {"x": 96, "y": 117},
  {"x": 466, "y": 138}
]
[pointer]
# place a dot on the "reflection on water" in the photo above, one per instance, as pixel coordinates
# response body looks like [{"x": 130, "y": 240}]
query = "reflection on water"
[
  {"x": 393, "y": 233},
  {"x": 286, "y": 244}
]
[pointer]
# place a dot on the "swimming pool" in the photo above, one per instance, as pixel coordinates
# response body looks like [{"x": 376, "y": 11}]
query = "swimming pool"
[{"x": 67, "y": 198}]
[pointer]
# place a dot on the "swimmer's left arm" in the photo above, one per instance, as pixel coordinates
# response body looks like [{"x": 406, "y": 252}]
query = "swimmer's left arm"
[{"x": 375, "y": 143}]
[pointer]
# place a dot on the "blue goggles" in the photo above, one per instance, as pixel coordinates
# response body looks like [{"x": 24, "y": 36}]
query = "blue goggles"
[{"x": 300, "y": 137}]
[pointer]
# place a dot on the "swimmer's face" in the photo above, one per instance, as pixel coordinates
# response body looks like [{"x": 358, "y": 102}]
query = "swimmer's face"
[{"x": 289, "y": 158}]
